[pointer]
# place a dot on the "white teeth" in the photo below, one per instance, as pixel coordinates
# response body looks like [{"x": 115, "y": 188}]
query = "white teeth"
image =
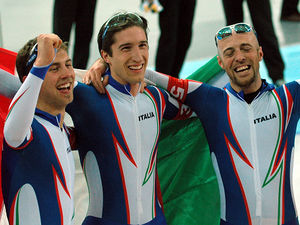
[
  {"x": 64, "y": 86},
  {"x": 241, "y": 68},
  {"x": 136, "y": 67}
]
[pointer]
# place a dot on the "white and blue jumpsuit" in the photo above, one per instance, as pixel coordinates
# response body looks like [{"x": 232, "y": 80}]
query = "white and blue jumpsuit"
[
  {"x": 37, "y": 163},
  {"x": 117, "y": 139},
  {"x": 251, "y": 146}
]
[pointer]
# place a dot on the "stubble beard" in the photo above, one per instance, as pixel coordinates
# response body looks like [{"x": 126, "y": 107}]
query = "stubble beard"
[{"x": 244, "y": 84}]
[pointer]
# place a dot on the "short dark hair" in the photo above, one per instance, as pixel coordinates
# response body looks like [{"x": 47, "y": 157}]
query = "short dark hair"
[
  {"x": 22, "y": 61},
  {"x": 117, "y": 23}
]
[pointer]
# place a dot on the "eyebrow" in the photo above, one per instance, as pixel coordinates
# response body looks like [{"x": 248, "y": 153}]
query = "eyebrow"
[
  {"x": 126, "y": 44},
  {"x": 228, "y": 49},
  {"x": 143, "y": 42},
  {"x": 246, "y": 44}
]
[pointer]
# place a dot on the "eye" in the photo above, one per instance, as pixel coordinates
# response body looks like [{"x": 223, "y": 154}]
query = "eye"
[
  {"x": 125, "y": 48},
  {"x": 228, "y": 53},
  {"x": 246, "y": 49},
  {"x": 143, "y": 45},
  {"x": 53, "y": 69}
]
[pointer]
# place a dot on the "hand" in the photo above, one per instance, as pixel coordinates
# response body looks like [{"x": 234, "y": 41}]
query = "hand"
[
  {"x": 143, "y": 86},
  {"x": 94, "y": 76},
  {"x": 46, "y": 48}
]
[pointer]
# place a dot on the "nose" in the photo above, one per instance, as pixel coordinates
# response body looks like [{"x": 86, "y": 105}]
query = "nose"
[
  {"x": 137, "y": 55},
  {"x": 67, "y": 72},
  {"x": 240, "y": 57}
]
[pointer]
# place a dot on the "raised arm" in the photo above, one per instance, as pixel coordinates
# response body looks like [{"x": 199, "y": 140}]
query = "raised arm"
[{"x": 21, "y": 111}]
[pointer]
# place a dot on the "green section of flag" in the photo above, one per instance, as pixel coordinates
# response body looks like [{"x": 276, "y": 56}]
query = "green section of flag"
[{"x": 188, "y": 181}]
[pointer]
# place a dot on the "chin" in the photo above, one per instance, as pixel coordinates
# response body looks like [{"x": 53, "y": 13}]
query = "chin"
[
  {"x": 245, "y": 84},
  {"x": 137, "y": 79},
  {"x": 67, "y": 99}
]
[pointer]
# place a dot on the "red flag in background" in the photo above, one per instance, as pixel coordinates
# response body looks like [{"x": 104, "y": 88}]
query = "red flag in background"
[
  {"x": 8, "y": 60},
  {"x": 7, "y": 63}
]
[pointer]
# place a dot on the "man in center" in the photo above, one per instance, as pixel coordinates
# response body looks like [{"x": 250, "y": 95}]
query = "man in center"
[{"x": 118, "y": 132}]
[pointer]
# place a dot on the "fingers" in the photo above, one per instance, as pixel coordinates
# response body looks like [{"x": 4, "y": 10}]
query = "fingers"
[
  {"x": 143, "y": 86},
  {"x": 97, "y": 83},
  {"x": 105, "y": 80},
  {"x": 46, "y": 44},
  {"x": 99, "y": 87},
  {"x": 49, "y": 40},
  {"x": 94, "y": 76},
  {"x": 86, "y": 78}
]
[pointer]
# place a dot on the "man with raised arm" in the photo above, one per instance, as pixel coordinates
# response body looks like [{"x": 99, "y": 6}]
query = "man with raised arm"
[{"x": 37, "y": 162}]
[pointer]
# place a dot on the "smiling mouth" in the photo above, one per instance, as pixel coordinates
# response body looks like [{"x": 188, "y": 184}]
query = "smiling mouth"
[
  {"x": 136, "y": 67},
  {"x": 64, "y": 87},
  {"x": 242, "y": 68}
]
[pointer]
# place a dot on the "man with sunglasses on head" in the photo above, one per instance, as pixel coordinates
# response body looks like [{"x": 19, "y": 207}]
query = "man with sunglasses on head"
[
  {"x": 37, "y": 163},
  {"x": 261, "y": 17},
  {"x": 250, "y": 127},
  {"x": 117, "y": 133}
]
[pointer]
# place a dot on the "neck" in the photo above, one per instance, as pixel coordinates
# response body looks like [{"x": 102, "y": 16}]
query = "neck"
[
  {"x": 253, "y": 87},
  {"x": 62, "y": 119},
  {"x": 53, "y": 112},
  {"x": 134, "y": 89}
]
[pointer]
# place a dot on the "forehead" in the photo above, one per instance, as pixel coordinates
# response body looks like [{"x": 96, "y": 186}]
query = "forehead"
[
  {"x": 130, "y": 35},
  {"x": 61, "y": 56},
  {"x": 236, "y": 40}
]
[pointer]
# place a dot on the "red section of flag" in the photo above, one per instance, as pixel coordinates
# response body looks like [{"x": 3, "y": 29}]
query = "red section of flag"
[
  {"x": 8, "y": 60},
  {"x": 7, "y": 63}
]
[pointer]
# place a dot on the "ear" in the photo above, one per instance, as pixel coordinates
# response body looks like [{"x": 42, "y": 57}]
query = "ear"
[
  {"x": 260, "y": 54},
  {"x": 220, "y": 62},
  {"x": 105, "y": 56}
]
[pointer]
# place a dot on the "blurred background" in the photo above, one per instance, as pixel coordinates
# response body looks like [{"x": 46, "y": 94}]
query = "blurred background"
[{"x": 22, "y": 20}]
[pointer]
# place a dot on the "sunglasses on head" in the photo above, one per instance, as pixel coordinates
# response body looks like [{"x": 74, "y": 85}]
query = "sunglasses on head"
[
  {"x": 239, "y": 28},
  {"x": 121, "y": 19}
]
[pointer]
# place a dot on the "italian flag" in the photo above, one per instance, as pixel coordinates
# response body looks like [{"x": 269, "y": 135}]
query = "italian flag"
[
  {"x": 7, "y": 63},
  {"x": 187, "y": 178}
]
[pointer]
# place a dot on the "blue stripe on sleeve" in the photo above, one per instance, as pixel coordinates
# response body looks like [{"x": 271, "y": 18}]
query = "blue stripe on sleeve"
[{"x": 40, "y": 71}]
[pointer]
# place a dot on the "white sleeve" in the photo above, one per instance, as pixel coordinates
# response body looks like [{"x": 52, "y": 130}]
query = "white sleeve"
[
  {"x": 178, "y": 88},
  {"x": 9, "y": 84},
  {"x": 157, "y": 79},
  {"x": 21, "y": 110}
]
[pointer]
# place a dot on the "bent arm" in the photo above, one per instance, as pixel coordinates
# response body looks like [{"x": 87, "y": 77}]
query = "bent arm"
[{"x": 22, "y": 108}]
